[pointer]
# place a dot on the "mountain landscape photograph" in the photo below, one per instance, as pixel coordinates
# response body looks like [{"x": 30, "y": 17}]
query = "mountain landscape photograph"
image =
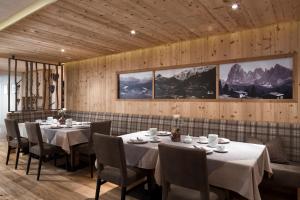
[
  {"x": 135, "y": 85},
  {"x": 266, "y": 79},
  {"x": 186, "y": 83}
]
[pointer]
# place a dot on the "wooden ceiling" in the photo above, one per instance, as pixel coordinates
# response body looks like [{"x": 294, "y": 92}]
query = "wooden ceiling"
[{"x": 88, "y": 28}]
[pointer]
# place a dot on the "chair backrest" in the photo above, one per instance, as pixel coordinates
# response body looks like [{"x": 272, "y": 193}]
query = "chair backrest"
[
  {"x": 179, "y": 164},
  {"x": 12, "y": 129},
  {"x": 110, "y": 152},
  {"x": 34, "y": 134},
  {"x": 99, "y": 127}
]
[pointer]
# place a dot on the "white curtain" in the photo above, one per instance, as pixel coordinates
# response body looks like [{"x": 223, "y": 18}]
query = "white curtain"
[{"x": 3, "y": 104}]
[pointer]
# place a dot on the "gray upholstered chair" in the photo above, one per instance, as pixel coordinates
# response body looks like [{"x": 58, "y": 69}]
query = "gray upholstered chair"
[
  {"x": 38, "y": 148},
  {"x": 112, "y": 164},
  {"x": 184, "y": 174},
  {"x": 87, "y": 149},
  {"x": 15, "y": 141}
]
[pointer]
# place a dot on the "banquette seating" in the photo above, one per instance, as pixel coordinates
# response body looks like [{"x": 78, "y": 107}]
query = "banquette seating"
[{"x": 285, "y": 175}]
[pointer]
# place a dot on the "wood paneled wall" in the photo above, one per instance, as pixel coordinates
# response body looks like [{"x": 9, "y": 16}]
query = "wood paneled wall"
[{"x": 92, "y": 84}]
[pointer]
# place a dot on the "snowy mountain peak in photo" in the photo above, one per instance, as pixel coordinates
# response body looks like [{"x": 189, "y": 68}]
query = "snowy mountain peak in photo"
[
  {"x": 272, "y": 77},
  {"x": 191, "y": 72}
]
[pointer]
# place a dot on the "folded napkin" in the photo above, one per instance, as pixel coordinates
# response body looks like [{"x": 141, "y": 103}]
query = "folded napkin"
[
  {"x": 223, "y": 140},
  {"x": 202, "y": 148}
]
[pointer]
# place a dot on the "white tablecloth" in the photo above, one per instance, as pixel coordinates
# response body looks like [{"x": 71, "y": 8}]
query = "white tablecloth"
[
  {"x": 240, "y": 170},
  {"x": 63, "y": 137}
]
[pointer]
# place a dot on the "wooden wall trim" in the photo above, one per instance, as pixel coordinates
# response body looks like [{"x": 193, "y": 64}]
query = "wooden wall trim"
[{"x": 91, "y": 85}]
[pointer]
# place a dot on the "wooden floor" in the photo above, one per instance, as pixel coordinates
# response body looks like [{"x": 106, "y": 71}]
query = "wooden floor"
[
  {"x": 54, "y": 184},
  {"x": 58, "y": 184}
]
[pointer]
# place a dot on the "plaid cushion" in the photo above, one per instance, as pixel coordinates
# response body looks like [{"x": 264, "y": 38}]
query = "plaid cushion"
[
  {"x": 74, "y": 115},
  {"x": 119, "y": 124},
  {"x": 143, "y": 122},
  {"x": 30, "y": 116},
  {"x": 93, "y": 116},
  {"x": 293, "y": 136},
  {"x": 234, "y": 130},
  {"x": 133, "y": 122},
  {"x": 166, "y": 123},
  {"x": 249, "y": 129},
  {"x": 155, "y": 122},
  {"x": 205, "y": 127},
  {"x": 231, "y": 129},
  {"x": 195, "y": 127}
]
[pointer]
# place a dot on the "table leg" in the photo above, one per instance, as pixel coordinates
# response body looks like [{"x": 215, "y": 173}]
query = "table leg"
[{"x": 72, "y": 159}]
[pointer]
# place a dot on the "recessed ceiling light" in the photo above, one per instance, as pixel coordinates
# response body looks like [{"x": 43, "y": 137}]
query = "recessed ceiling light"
[
  {"x": 132, "y": 32},
  {"x": 62, "y": 50},
  {"x": 209, "y": 28},
  {"x": 234, "y": 6}
]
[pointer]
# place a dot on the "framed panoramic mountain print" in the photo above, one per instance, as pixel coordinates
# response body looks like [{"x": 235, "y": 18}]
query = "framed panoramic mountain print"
[
  {"x": 137, "y": 85},
  {"x": 197, "y": 82},
  {"x": 262, "y": 79}
]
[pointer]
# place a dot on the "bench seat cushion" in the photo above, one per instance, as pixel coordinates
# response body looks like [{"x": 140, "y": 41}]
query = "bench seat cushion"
[
  {"x": 235, "y": 130},
  {"x": 285, "y": 175}
]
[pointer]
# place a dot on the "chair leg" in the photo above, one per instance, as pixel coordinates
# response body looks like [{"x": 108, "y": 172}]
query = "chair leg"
[
  {"x": 227, "y": 195},
  {"x": 91, "y": 165},
  {"x": 39, "y": 169},
  {"x": 17, "y": 157},
  {"x": 98, "y": 185},
  {"x": 72, "y": 158},
  {"x": 8, "y": 153},
  {"x": 123, "y": 193},
  {"x": 28, "y": 163},
  {"x": 165, "y": 190}
]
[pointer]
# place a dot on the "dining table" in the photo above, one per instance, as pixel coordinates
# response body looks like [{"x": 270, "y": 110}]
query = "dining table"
[
  {"x": 63, "y": 136},
  {"x": 240, "y": 169}
]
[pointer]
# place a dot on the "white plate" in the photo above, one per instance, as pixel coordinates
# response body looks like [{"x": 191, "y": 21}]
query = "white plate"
[
  {"x": 219, "y": 151},
  {"x": 155, "y": 141},
  {"x": 203, "y": 142},
  {"x": 211, "y": 146},
  {"x": 137, "y": 142},
  {"x": 223, "y": 141},
  {"x": 163, "y": 133},
  {"x": 209, "y": 151}
]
